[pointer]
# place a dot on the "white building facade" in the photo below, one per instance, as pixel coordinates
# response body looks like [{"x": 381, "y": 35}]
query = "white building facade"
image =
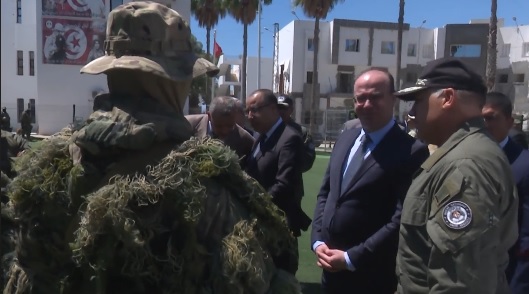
[
  {"x": 47, "y": 83},
  {"x": 347, "y": 47},
  {"x": 229, "y": 77}
]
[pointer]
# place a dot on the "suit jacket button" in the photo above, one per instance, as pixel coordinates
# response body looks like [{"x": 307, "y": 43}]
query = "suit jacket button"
[{"x": 337, "y": 205}]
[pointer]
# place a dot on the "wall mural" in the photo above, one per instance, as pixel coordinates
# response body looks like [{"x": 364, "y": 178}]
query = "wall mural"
[{"x": 73, "y": 31}]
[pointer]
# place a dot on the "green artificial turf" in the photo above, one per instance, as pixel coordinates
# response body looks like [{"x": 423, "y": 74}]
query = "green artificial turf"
[{"x": 308, "y": 273}]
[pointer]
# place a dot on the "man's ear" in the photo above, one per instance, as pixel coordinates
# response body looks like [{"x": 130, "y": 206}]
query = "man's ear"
[{"x": 449, "y": 98}]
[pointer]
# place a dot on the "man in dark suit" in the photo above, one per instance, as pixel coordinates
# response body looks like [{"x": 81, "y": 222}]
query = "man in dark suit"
[
  {"x": 240, "y": 116},
  {"x": 219, "y": 123},
  {"x": 285, "y": 105},
  {"x": 516, "y": 133},
  {"x": 274, "y": 161},
  {"x": 357, "y": 215},
  {"x": 497, "y": 113}
]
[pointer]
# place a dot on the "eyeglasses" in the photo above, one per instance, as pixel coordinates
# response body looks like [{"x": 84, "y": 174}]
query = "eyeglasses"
[
  {"x": 255, "y": 109},
  {"x": 371, "y": 97}
]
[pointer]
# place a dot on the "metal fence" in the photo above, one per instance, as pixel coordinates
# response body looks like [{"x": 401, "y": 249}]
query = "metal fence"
[{"x": 330, "y": 124}]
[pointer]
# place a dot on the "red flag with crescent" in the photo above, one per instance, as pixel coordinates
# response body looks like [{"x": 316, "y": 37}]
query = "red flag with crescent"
[{"x": 217, "y": 50}]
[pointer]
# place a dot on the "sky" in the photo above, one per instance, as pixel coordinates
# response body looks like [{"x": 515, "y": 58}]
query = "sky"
[{"x": 229, "y": 32}]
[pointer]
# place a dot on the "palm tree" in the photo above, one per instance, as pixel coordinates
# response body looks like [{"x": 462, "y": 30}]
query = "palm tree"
[
  {"x": 208, "y": 13},
  {"x": 400, "y": 28},
  {"x": 317, "y": 9},
  {"x": 491, "y": 49},
  {"x": 244, "y": 11}
]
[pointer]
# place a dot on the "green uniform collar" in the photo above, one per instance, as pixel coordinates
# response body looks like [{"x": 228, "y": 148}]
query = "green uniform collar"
[{"x": 471, "y": 126}]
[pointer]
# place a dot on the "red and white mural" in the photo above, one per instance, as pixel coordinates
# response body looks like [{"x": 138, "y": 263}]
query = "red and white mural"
[
  {"x": 73, "y": 31},
  {"x": 75, "y": 8}
]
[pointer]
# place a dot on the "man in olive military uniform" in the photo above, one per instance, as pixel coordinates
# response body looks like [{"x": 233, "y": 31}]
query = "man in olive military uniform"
[
  {"x": 459, "y": 217},
  {"x": 25, "y": 123},
  {"x": 6, "y": 120}
]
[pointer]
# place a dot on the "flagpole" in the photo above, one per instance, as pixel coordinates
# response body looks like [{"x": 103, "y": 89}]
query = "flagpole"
[{"x": 214, "y": 62}]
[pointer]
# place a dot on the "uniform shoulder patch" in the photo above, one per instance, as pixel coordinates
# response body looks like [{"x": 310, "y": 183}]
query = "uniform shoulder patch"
[{"x": 457, "y": 215}]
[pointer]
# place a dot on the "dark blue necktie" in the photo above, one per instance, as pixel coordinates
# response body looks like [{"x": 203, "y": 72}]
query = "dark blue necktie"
[{"x": 356, "y": 162}]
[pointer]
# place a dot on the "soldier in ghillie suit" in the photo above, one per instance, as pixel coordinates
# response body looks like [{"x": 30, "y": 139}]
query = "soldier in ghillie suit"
[{"x": 130, "y": 203}]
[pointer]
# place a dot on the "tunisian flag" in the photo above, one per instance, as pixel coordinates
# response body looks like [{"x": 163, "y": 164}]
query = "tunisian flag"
[{"x": 217, "y": 51}]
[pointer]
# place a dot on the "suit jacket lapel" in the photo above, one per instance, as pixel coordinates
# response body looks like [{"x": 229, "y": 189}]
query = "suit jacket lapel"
[
  {"x": 377, "y": 154},
  {"x": 270, "y": 142},
  {"x": 512, "y": 151},
  {"x": 342, "y": 154}
]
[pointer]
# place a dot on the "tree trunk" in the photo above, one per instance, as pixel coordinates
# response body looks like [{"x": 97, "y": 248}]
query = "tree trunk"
[
  {"x": 400, "y": 28},
  {"x": 315, "y": 97},
  {"x": 209, "y": 81},
  {"x": 243, "y": 72},
  {"x": 491, "y": 49},
  {"x": 208, "y": 41}
]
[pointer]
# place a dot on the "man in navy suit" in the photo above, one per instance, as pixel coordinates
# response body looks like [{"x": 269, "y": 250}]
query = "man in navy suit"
[
  {"x": 497, "y": 113},
  {"x": 357, "y": 215}
]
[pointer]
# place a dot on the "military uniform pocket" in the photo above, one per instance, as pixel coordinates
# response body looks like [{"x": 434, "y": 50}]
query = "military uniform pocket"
[{"x": 414, "y": 211}]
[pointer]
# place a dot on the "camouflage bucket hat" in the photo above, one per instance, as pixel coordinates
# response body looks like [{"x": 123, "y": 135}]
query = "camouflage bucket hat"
[{"x": 152, "y": 38}]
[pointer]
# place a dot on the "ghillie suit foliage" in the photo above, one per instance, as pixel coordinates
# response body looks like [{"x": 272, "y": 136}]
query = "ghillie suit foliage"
[{"x": 185, "y": 220}]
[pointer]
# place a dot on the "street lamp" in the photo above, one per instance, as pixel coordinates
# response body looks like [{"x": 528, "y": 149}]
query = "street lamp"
[
  {"x": 294, "y": 13},
  {"x": 259, "y": 11},
  {"x": 419, "y": 43}
]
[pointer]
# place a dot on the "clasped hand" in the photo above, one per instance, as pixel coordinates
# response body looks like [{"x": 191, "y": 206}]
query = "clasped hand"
[{"x": 331, "y": 260}]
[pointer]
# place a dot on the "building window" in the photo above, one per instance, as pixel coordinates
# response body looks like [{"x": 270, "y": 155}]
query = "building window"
[
  {"x": 345, "y": 82},
  {"x": 503, "y": 79},
  {"x": 352, "y": 45},
  {"x": 115, "y": 3},
  {"x": 20, "y": 108},
  {"x": 412, "y": 49},
  {"x": 505, "y": 50},
  {"x": 31, "y": 106},
  {"x": 519, "y": 78},
  {"x": 387, "y": 47},
  {"x": 469, "y": 50},
  {"x": 427, "y": 51},
  {"x": 411, "y": 77},
  {"x": 309, "y": 77},
  {"x": 525, "y": 49},
  {"x": 310, "y": 44},
  {"x": 31, "y": 63},
  {"x": 20, "y": 63},
  {"x": 19, "y": 11}
]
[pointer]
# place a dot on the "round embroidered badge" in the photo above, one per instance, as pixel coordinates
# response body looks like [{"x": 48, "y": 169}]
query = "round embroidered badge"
[{"x": 457, "y": 215}]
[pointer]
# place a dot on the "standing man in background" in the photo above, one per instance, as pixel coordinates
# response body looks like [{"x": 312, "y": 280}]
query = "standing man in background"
[
  {"x": 240, "y": 116},
  {"x": 497, "y": 113},
  {"x": 25, "y": 123},
  {"x": 274, "y": 161},
  {"x": 219, "y": 123},
  {"x": 308, "y": 153},
  {"x": 356, "y": 220}
]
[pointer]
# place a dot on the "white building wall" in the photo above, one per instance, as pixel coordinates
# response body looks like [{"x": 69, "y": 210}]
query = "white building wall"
[
  {"x": 353, "y": 58},
  {"x": 439, "y": 38},
  {"x": 251, "y": 73},
  {"x": 55, "y": 87},
  {"x": 301, "y": 54},
  {"x": 17, "y": 36},
  {"x": 286, "y": 52}
]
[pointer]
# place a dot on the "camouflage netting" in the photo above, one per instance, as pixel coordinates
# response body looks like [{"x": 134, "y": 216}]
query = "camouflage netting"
[{"x": 194, "y": 223}]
